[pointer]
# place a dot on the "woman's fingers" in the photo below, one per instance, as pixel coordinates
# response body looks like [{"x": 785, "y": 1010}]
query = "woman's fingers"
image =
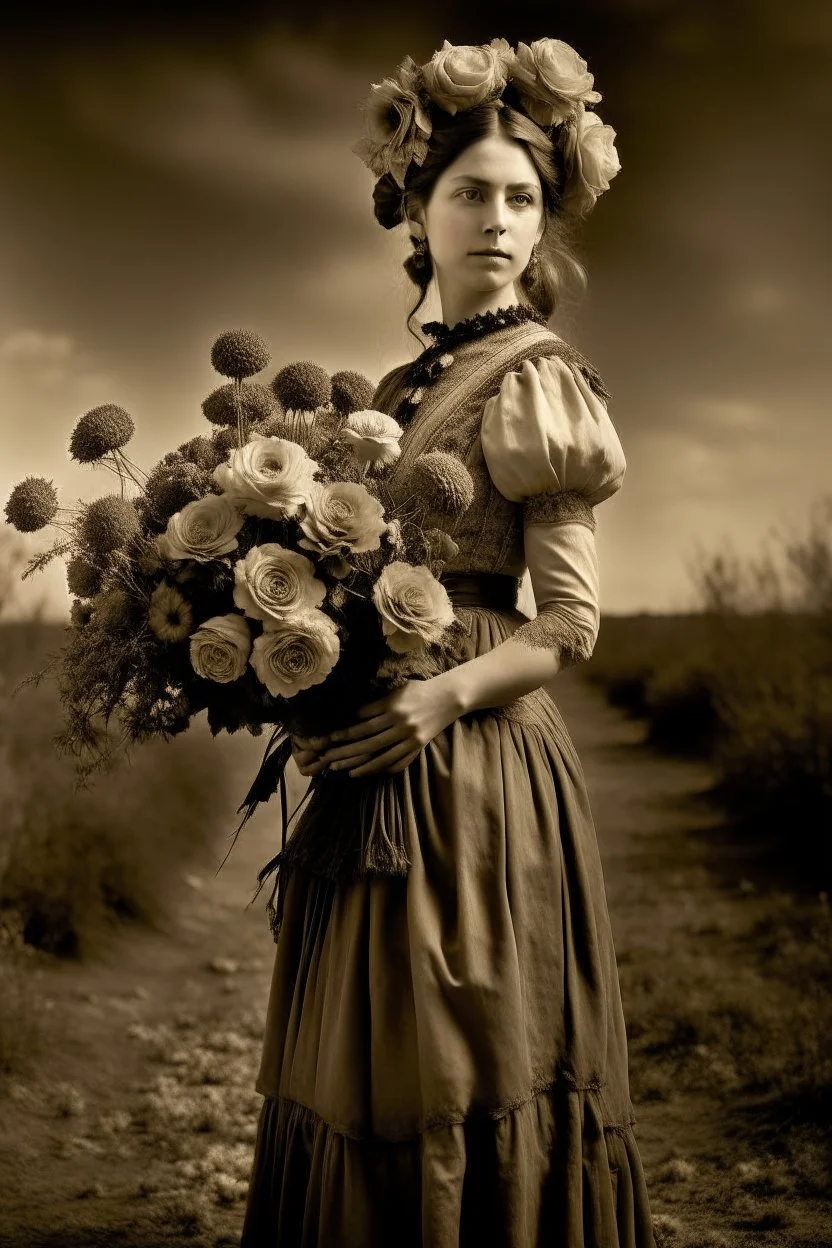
[
  {"x": 340, "y": 756},
  {"x": 405, "y": 762},
  {"x": 367, "y": 728},
  {"x": 383, "y": 762},
  {"x": 308, "y": 762}
]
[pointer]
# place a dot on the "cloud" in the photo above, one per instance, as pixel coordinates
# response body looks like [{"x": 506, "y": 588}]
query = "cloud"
[{"x": 281, "y": 123}]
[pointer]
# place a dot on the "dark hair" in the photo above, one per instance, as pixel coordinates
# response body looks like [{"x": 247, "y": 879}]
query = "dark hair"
[{"x": 451, "y": 136}]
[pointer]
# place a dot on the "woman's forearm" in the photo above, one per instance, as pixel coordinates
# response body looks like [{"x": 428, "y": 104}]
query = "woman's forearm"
[{"x": 503, "y": 674}]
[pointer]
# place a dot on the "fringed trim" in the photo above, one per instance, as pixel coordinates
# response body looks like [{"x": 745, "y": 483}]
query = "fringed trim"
[
  {"x": 353, "y": 828},
  {"x": 399, "y": 1132},
  {"x": 559, "y": 507}
]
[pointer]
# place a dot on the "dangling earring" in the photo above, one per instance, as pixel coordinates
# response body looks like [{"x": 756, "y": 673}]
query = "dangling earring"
[
  {"x": 532, "y": 269},
  {"x": 420, "y": 252}
]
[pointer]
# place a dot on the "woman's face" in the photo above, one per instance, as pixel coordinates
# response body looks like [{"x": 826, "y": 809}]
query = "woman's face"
[{"x": 489, "y": 197}]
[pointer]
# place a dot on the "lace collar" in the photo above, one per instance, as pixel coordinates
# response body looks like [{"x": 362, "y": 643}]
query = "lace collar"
[
  {"x": 437, "y": 357},
  {"x": 480, "y": 324}
]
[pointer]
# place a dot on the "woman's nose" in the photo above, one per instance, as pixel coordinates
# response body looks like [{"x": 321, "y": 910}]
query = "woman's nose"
[{"x": 495, "y": 220}]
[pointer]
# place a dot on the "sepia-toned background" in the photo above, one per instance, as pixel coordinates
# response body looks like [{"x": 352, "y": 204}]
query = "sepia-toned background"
[{"x": 169, "y": 176}]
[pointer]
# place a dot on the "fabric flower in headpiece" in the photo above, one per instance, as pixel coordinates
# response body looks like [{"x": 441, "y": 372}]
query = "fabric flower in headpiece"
[
  {"x": 590, "y": 160},
  {"x": 397, "y": 125},
  {"x": 552, "y": 81},
  {"x": 460, "y": 77}
]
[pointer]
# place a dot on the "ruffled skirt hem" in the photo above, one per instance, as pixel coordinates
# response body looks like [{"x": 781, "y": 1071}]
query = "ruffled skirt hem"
[{"x": 547, "y": 1171}]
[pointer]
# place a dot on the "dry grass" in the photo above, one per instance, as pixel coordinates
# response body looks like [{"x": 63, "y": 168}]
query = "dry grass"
[
  {"x": 75, "y": 864},
  {"x": 747, "y": 684}
]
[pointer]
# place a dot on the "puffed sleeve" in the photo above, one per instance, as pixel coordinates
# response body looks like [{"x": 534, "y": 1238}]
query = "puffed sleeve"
[
  {"x": 547, "y": 431},
  {"x": 550, "y": 445}
]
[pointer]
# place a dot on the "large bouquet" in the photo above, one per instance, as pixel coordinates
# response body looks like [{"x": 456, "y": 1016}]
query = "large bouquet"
[{"x": 255, "y": 572}]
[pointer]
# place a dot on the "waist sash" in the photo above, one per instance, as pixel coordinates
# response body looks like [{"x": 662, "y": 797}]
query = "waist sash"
[{"x": 482, "y": 589}]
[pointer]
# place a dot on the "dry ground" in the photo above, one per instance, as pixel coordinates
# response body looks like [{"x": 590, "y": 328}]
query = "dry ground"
[{"x": 136, "y": 1126}]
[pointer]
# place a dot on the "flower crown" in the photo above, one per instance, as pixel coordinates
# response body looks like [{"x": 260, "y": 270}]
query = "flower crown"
[{"x": 547, "y": 80}]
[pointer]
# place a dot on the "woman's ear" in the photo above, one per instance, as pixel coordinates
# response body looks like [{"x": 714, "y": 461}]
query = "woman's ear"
[{"x": 415, "y": 224}]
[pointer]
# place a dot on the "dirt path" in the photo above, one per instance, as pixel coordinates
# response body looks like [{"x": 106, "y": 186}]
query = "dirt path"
[{"x": 139, "y": 1128}]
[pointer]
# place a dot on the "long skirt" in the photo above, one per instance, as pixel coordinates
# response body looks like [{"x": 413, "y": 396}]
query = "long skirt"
[{"x": 445, "y": 1058}]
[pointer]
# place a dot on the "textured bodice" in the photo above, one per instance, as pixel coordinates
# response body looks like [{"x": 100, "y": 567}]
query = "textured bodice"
[{"x": 490, "y": 532}]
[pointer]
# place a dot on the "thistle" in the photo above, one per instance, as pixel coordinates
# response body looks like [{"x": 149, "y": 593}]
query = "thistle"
[
  {"x": 108, "y": 523},
  {"x": 32, "y": 504},
  {"x": 98, "y": 438},
  {"x": 83, "y": 578},
  {"x": 258, "y": 403},
  {"x": 239, "y": 353},
  {"x": 351, "y": 392},
  {"x": 303, "y": 387},
  {"x": 201, "y": 451},
  {"x": 442, "y": 483}
]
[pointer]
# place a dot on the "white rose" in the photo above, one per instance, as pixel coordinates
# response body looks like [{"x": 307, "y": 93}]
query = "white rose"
[
  {"x": 204, "y": 529},
  {"x": 414, "y": 606},
  {"x": 590, "y": 158},
  {"x": 342, "y": 515},
  {"x": 291, "y": 655},
  {"x": 273, "y": 583},
  {"x": 267, "y": 477},
  {"x": 460, "y": 77},
  {"x": 552, "y": 80},
  {"x": 220, "y": 648},
  {"x": 373, "y": 438}
]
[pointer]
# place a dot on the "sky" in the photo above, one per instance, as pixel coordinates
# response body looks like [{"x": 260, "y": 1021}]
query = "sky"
[{"x": 168, "y": 176}]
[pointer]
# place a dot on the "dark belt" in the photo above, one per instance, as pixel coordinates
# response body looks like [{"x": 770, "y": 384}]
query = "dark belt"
[{"x": 482, "y": 589}]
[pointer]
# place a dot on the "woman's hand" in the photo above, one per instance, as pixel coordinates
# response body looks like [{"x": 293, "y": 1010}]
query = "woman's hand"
[
  {"x": 394, "y": 729},
  {"x": 306, "y": 751}
]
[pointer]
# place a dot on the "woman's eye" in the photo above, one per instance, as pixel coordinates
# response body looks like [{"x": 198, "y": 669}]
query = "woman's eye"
[
  {"x": 524, "y": 196},
  {"x": 470, "y": 190}
]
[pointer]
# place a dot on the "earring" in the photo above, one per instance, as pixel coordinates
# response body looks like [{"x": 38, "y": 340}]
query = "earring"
[
  {"x": 420, "y": 252},
  {"x": 533, "y": 267}
]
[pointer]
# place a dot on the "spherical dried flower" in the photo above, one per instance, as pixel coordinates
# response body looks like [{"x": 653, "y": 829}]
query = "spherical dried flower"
[
  {"x": 303, "y": 386},
  {"x": 100, "y": 430},
  {"x": 32, "y": 504},
  {"x": 224, "y": 440},
  {"x": 442, "y": 482},
  {"x": 351, "y": 392},
  {"x": 108, "y": 523},
  {"x": 257, "y": 403},
  {"x": 112, "y": 608},
  {"x": 275, "y": 426},
  {"x": 80, "y": 613},
  {"x": 170, "y": 488},
  {"x": 239, "y": 353},
  {"x": 200, "y": 451},
  {"x": 83, "y": 578},
  {"x": 170, "y": 616}
]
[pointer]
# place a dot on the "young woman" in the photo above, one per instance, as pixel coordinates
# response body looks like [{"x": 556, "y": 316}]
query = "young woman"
[{"x": 445, "y": 1061}]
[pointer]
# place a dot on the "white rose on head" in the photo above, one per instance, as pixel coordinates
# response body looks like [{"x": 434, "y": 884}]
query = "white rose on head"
[
  {"x": 274, "y": 583},
  {"x": 291, "y": 655},
  {"x": 414, "y": 606},
  {"x": 204, "y": 529},
  {"x": 373, "y": 437},
  {"x": 460, "y": 76},
  {"x": 552, "y": 79},
  {"x": 268, "y": 477},
  {"x": 590, "y": 159},
  {"x": 220, "y": 648}
]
